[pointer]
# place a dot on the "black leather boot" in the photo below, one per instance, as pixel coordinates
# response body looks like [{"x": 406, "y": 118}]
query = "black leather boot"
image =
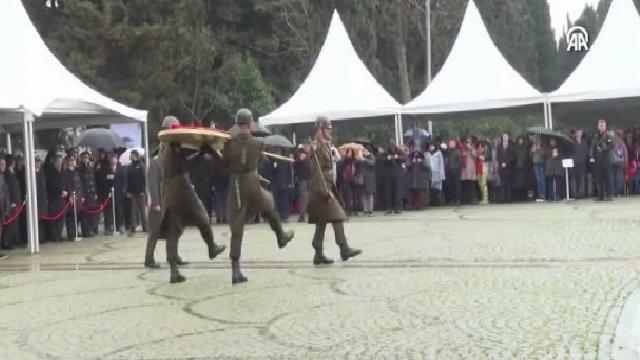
[
  {"x": 284, "y": 237},
  {"x": 175, "y": 277},
  {"x": 346, "y": 252},
  {"x": 236, "y": 275},
  {"x": 215, "y": 250},
  {"x": 151, "y": 264},
  {"x": 320, "y": 259}
]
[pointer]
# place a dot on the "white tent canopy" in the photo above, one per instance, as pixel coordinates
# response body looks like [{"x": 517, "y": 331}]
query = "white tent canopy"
[
  {"x": 610, "y": 70},
  {"x": 475, "y": 76},
  {"x": 36, "y": 90},
  {"x": 339, "y": 86},
  {"x": 34, "y": 79}
]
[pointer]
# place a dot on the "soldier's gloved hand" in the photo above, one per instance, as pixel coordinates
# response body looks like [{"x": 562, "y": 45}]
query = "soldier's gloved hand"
[
  {"x": 156, "y": 208},
  {"x": 326, "y": 196}
]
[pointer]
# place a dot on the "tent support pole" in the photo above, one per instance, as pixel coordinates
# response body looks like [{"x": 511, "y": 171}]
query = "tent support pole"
[
  {"x": 400, "y": 130},
  {"x": 34, "y": 198},
  {"x": 8, "y": 140},
  {"x": 546, "y": 115},
  {"x": 550, "y": 110},
  {"x": 31, "y": 203},
  {"x": 147, "y": 161}
]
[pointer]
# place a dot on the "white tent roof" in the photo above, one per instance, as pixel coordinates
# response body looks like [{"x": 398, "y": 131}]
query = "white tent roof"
[
  {"x": 475, "y": 76},
  {"x": 339, "y": 86},
  {"x": 611, "y": 67},
  {"x": 33, "y": 78}
]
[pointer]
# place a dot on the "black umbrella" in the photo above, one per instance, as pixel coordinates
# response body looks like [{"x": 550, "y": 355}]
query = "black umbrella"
[
  {"x": 100, "y": 138},
  {"x": 257, "y": 129},
  {"x": 278, "y": 141},
  {"x": 542, "y": 131}
]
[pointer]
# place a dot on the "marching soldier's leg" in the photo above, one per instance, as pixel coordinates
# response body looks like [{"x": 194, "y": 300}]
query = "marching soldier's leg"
[
  {"x": 237, "y": 215},
  {"x": 341, "y": 239},
  {"x": 152, "y": 240},
  {"x": 269, "y": 212},
  {"x": 202, "y": 222},
  {"x": 318, "y": 245},
  {"x": 172, "y": 252}
]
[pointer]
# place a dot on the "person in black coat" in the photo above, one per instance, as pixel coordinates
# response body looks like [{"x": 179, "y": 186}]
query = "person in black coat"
[
  {"x": 392, "y": 166},
  {"x": 86, "y": 172},
  {"x": 71, "y": 185},
  {"x": 21, "y": 175},
  {"x": 43, "y": 202},
  {"x": 56, "y": 196},
  {"x": 136, "y": 191},
  {"x": 110, "y": 176},
  {"x": 4, "y": 199},
  {"x": 201, "y": 172},
  {"x": 506, "y": 161},
  {"x": 220, "y": 181},
  {"x": 302, "y": 174},
  {"x": 453, "y": 173},
  {"x": 281, "y": 186},
  {"x": 11, "y": 235}
]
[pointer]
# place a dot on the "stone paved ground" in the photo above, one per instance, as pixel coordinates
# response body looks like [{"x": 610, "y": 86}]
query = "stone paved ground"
[{"x": 534, "y": 281}]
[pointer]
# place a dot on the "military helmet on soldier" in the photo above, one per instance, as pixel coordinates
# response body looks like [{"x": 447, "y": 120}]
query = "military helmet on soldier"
[
  {"x": 244, "y": 117},
  {"x": 168, "y": 121},
  {"x": 323, "y": 122}
]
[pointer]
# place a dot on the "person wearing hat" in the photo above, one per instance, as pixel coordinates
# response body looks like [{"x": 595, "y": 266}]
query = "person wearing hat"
[
  {"x": 56, "y": 195},
  {"x": 242, "y": 154},
  {"x": 180, "y": 206},
  {"x": 135, "y": 190},
  {"x": 324, "y": 206},
  {"x": 71, "y": 186},
  {"x": 155, "y": 208},
  {"x": 87, "y": 174}
]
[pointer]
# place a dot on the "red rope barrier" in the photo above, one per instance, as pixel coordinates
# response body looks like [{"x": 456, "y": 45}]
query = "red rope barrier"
[
  {"x": 98, "y": 210},
  {"x": 16, "y": 215},
  {"x": 58, "y": 215}
]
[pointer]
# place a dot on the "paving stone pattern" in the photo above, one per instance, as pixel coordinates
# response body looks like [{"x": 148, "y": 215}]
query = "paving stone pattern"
[{"x": 528, "y": 281}]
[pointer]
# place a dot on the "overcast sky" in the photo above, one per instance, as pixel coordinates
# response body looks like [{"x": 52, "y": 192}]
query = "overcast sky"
[{"x": 560, "y": 8}]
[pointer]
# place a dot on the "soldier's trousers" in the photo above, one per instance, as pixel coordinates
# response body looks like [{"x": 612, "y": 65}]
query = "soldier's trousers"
[
  {"x": 175, "y": 231},
  {"x": 238, "y": 215},
  {"x": 318, "y": 236}
]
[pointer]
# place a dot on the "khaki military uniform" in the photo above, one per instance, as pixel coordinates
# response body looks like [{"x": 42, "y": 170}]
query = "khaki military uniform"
[
  {"x": 181, "y": 206},
  {"x": 324, "y": 204},
  {"x": 242, "y": 154}
]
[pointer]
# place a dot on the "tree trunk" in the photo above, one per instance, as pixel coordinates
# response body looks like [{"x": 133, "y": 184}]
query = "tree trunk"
[{"x": 401, "y": 55}]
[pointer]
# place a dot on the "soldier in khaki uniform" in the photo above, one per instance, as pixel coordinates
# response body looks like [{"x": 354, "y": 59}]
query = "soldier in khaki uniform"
[
  {"x": 324, "y": 206},
  {"x": 155, "y": 210},
  {"x": 242, "y": 154},
  {"x": 181, "y": 206}
]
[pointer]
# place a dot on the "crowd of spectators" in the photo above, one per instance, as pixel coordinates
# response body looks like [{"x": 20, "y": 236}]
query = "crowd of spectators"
[{"x": 472, "y": 170}]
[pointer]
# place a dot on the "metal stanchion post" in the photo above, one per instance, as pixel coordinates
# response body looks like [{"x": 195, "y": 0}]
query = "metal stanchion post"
[
  {"x": 113, "y": 208},
  {"x": 75, "y": 216},
  {"x": 566, "y": 173}
]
